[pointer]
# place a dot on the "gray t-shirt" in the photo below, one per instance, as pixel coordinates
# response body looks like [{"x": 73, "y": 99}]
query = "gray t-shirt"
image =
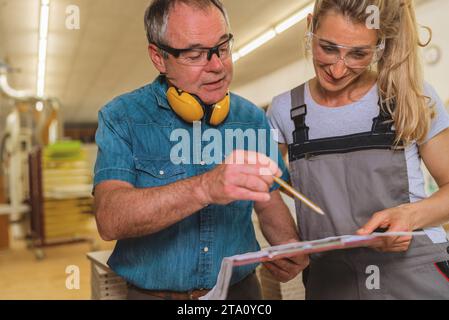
[{"x": 357, "y": 117}]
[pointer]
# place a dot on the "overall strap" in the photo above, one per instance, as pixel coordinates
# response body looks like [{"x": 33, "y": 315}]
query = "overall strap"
[
  {"x": 298, "y": 115},
  {"x": 381, "y": 137},
  {"x": 384, "y": 122}
]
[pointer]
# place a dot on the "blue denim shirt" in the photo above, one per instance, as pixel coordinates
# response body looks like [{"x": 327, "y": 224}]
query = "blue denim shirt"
[{"x": 134, "y": 146}]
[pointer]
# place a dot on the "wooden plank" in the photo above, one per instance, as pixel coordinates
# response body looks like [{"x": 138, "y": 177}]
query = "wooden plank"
[
  {"x": 66, "y": 232},
  {"x": 48, "y": 173},
  {"x": 4, "y": 232},
  {"x": 2, "y": 189},
  {"x": 67, "y": 224},
  {"x": 69, "y": 212},
  {"x": 66, "y": 204}
]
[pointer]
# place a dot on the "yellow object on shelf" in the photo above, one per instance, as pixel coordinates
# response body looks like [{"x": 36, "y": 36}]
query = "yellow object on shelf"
[{"x": 63, "y": 150}]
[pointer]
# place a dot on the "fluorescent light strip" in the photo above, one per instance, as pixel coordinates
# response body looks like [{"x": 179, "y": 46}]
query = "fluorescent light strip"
[
  {"x": 258, "y": 42},
  {"x": 43, "y": 28},
  {"x": 42, "y": 55},
  {"x": 42, "y": 49},
  {"x": 272, "y": 33},
  {"x": 295, "y": 19}
]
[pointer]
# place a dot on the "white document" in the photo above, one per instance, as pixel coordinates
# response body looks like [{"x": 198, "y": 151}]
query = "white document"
[{"x": 220, "y": 291}]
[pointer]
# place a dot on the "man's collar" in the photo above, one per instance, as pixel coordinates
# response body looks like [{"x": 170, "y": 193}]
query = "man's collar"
[{"x": 160, "y": 90}]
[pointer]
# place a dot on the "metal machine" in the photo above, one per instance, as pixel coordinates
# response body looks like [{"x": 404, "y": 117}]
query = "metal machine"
[{"x": 32, "y": 121}]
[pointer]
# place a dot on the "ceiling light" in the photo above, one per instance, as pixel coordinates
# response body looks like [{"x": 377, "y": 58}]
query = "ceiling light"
[
  {"x": 42, "y": 54},
  {"x": 258, "y": 42},
  {"x": 43, "y": 28},
  {"x": 295, "y": 19},
  {"x": 273, "y": 32}
]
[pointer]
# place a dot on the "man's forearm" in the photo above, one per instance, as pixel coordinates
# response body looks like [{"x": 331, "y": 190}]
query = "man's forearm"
[
  {"x": 276, "y": 222},
  {"x": 129, "y": 212}
]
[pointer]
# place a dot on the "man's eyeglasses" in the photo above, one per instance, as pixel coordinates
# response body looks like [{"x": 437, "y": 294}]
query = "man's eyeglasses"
[
  {"x": 328, "y": 53},
  {"x": 200, "y": 56}
]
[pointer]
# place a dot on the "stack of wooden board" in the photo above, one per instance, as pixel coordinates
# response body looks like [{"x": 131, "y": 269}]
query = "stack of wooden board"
[
  {"x": 105, "y": 284},
  {"x": 4, "y": 231},
  {"x": 2, "y": 189},
  {"x": 68, "y": 218},
  {"x": 4, "y": 219},
  {"x": 67, "y": 185}
]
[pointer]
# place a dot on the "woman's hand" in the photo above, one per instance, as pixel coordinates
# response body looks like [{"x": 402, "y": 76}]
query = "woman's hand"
[
  {"x": 427, "y": 213},
  {"x": 400, "y": 219}
]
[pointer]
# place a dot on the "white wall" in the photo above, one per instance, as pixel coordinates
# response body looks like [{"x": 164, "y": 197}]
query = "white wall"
[
  {"x": 262, "y": 91},
  {"x": 433, "y": 13}
]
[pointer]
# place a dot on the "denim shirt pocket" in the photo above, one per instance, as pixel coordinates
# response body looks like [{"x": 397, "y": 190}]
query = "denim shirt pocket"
[{"x": 157, "y": 172}]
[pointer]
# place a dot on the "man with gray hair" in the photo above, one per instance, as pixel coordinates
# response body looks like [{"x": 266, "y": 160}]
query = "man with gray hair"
[{"x": 176, "y": 222}]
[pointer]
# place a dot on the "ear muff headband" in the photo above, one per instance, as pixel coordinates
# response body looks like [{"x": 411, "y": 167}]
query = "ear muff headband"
[{"x": 190, "y": 109}]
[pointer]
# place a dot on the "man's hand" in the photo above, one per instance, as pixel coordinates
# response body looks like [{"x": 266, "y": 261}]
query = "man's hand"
[
  {"x": 244, "y": 176},
  {"x": 400, "y": 219},
  {"x": 287, "y": 269}
]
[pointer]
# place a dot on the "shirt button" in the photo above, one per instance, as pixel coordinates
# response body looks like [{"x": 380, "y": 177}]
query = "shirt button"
[
  {"x": 206, "y": 249},
  {"x": 161, "y": 172}
]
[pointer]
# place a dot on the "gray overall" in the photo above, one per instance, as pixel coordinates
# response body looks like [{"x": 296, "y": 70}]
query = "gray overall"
[{"x": 351, "y": 178}]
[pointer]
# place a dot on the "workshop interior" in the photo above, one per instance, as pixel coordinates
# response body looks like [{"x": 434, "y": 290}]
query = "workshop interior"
[{"x": 61, "y": 61}]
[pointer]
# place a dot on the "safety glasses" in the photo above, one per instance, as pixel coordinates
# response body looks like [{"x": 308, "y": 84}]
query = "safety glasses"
[
  {"x": 329, "y": 53},
  {"x": 200, "y": 56}
]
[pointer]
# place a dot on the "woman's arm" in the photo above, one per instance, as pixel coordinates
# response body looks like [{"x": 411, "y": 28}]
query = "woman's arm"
[{"x": 434, "y": 211}]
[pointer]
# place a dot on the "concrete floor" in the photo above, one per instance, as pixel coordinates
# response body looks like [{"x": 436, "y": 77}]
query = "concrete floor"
[{"x": 22, "y": 276}]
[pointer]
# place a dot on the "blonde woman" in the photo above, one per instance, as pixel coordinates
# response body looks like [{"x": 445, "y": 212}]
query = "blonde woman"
[{"x": 356, "y": 134}]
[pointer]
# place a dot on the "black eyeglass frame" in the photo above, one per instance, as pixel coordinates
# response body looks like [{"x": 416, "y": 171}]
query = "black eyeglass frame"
[{"x": 211, "y": 51}]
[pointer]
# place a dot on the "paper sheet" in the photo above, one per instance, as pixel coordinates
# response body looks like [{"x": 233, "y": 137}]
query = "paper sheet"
[{"x": 220, "y": 291}]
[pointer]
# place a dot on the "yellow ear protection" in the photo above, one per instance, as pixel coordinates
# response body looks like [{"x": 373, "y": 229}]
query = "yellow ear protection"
[{"x": 190, "y": 108}]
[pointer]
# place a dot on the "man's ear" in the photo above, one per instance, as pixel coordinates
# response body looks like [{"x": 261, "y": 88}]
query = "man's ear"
[{"x": 157, "y": 58}]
